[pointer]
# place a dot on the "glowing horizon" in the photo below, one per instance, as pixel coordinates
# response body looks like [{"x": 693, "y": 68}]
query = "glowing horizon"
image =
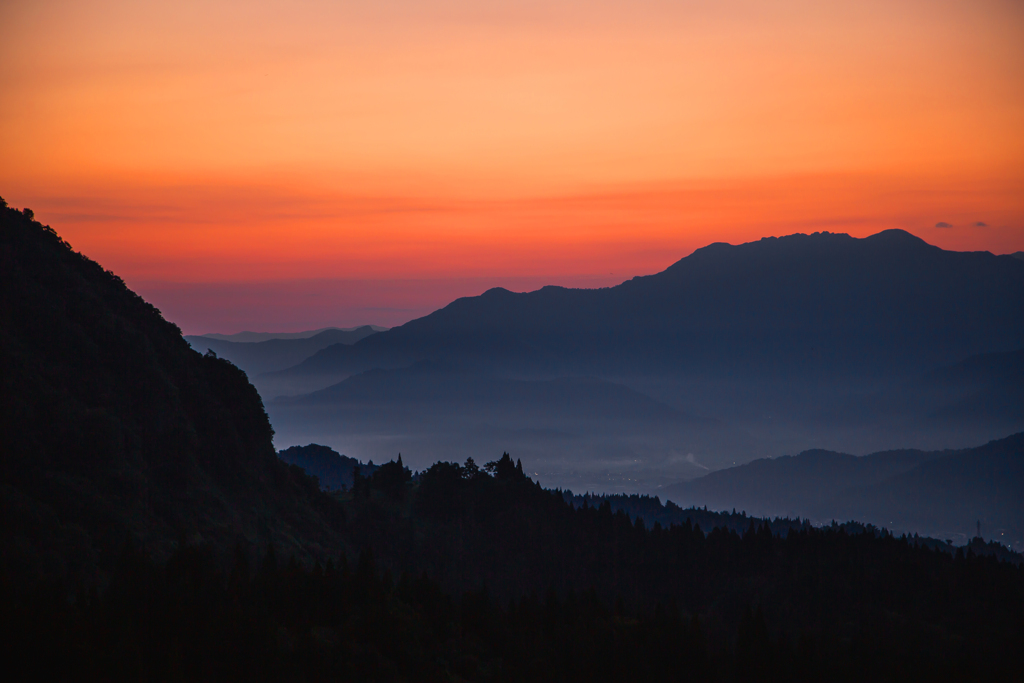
[{"x": 233, "y": 145}]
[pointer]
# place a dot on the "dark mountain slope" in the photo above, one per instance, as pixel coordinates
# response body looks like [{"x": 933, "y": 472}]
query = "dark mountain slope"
[
  {"x": 987, "y": 387},
  {"x": 574, "y": 431},
  {"x": 822, "y": 304},
  {"x": 115, "y": 429},
  {"x": 940, "y": 493},
  {"x": 444, "y": 388},
  {"x": 794, "y": 485},
  {"x": 949, "y": 494},
  {"x": 333, "y": 470},
  {"x": 266, "y": 336},
  {"x": 276, "y": 354}
]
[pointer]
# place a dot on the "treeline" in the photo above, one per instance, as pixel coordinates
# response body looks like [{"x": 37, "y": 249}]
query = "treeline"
[
  {"x": 482, "y": 575},
  {"x": 651, "y": 510}
]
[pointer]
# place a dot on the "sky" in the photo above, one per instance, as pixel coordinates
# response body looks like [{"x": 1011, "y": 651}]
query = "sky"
[{"x": 279, "y": 166}]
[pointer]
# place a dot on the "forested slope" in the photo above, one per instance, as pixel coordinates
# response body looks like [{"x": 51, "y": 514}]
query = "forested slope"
[{"x": 115, "y": 429}]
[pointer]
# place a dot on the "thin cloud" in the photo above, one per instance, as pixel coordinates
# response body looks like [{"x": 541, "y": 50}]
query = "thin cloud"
[
  {"x": 979, "y": 224},
  {"x": 943, "y": 224}
]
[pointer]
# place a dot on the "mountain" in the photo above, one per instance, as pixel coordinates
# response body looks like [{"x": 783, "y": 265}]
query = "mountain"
[
  {"x": 258, "y": 357},
  {"x": 139, "y": 482},
  {"x": 474, "y": 574},
  {"x": 788, "y": 344},
  {"x": 582, "y": 432},
  {"x": 792, "y": 485},
  {"x": 1018, "y": 255},
  {"x": 950, "y": 494},
  {"x": 442, "y": 387},
  {"x": 986, "y": 387},
  {"x": 822, "y": 305},
  {"x": 115, "y": 430},
  {"x": 266, "y": 336},
  {"x": 942, "y": 493},
  {"x": 333, "y": 470},
  {"x": 981, "y": 396}
]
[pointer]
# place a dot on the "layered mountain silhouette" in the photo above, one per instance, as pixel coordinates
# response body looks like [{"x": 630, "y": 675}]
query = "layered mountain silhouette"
[
  {"x": 259, "y": 356},
  {"x": 609, "y": 433},
  {"x": 116, "y": 431},
  {"x": 939, "y": 493},
  {"x": 821, "y": 305},
  {"x": 784, "y": 344},
  {"x": 333, "y": 470},
  {"x": 441, "y": 388},
  {"x": 148, "y": 530},
  {"x": 250, "y": 337}
]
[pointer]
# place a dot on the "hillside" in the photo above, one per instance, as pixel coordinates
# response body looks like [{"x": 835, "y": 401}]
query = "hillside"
[
  {"x": 478, "y": 575},
  {"x": 266, "y": 336},
  {"x": 787, "y": 344},
  {"x": 116, "y": 431},
  {"x": 431, "y": 411},
  {"x": 151, "y": 532},
  {"x": 258, "y": 357},
  {"x": 333, "y": 470},
  {"x": 943, "y": 494},
  {"x": 822, "y": 304}
]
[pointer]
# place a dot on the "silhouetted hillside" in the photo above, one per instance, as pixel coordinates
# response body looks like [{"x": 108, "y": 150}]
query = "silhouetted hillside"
[
  {"x": 333, "y": 470},
  {"x": 796, "y": 486},
  {"x": 444, "y": 388},
  {"x": 266, "y": 336},
  {"x": 431, "y": 411},
  {"x": 114, "y": 429},
  {"x": 986, "y": 390},
  {"x": 949, "y": 494},
  {"x": 259, "y": 357},
  {"x": 825, "y": 304},
  {"x": 487, "y": 577},
  {"x": 136, "y": 471},
  {"x": 805, "y": 341},
  {"x": 939, "y": 494},
  {"x": 987, "y": 387}
]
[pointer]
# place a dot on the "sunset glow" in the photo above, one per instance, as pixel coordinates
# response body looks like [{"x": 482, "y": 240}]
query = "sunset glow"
[{"x": 378, "y": 159}]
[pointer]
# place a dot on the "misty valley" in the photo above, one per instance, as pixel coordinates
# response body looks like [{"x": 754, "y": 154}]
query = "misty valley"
[
  {"x": 799, "y": 458},
  {"x": 809, "y": 347}
]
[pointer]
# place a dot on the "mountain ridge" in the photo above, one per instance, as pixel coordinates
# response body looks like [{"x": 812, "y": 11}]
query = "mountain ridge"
[
  {"x": 934, "y": 493},
  {"x": 117, "y": 432},
  {"x": 259, "y": 357},
  {"x": 805, "y": 302}
]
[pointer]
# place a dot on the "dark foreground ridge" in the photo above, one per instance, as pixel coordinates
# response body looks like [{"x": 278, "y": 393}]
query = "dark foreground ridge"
[
  {"x": 468, "y": 575},
  {"x": 942, "y": 493},
  {"x": 115, "y": 429},
  {"x": 150, "y": 532}
]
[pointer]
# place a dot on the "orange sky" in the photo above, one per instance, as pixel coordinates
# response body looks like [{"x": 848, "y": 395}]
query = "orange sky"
[{"x": 210, "y": 151}]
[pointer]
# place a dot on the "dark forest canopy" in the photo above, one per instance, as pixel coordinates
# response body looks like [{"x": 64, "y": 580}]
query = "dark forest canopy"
[
  {"x": 150, "y": 532},
  {"x": 114, "y": 428},
  {"x": 479, "y": 574}
]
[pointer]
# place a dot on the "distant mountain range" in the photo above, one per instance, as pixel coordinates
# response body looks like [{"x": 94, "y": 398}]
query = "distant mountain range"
[
  {"x": 819, "y": 306},
  {"x": 432, "y": 411},
  {"x": 257, "y": 356},
  {"x": 779, "y": 345},
  {"x": 250, "y": 337},
  {"x": 941, "y": 493}
]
